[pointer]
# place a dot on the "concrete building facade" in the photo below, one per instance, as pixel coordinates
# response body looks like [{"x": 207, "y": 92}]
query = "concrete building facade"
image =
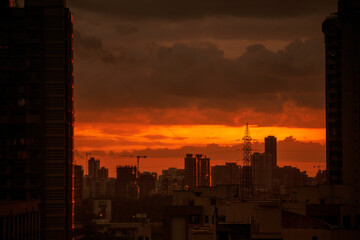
[
  {"x": 36, "y": 111},
  {"x": 342, "y": 37},
  {"x": 271, "y": 148},
  {"x": 228, "y": 174}
]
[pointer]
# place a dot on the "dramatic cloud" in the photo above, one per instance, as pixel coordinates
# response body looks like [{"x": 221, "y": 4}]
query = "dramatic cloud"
[
  {"x": 164, "y": 74},
  {"x": 184, "y": 9},
  {"x": 200, "y": 76}
]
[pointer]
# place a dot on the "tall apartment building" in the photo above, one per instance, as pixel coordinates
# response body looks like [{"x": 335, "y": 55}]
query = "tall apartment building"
[
  {"x": 126, "y": 186},
  {"x": 197, "y": 171},
  {"x": 110, "y": 187},
  {"x": 190, "y": 171},
  {"x": 270, "y": 148},
  {"x": 262, "y": 171},
  {"x": 342, "y": 38},
  {"x": 146, "y": 183},
  {"x": 203, "y": 170},
  {"x": 78, "y": 187},
  {"x": 171, "y": 179},
  {"x": 103, "y": 173},
  {"x": 93, "y": 168},
  {"x": 228, "y": 174},
  {"x": 36, "y": 110}
]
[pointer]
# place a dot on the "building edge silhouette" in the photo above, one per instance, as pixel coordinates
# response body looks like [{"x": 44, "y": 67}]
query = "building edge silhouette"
[
  {"x": 37, "y": 118},
  {"x": 342, "y": 37}
]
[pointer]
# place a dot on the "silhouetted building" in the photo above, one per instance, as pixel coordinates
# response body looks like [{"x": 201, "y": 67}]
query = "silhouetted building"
[
  {"x": 126, "y": 182},
  {"x": 262, "y": 171},
  {"x": 20, "y": 220},
  {"x": 78, "y": 187},
  {"x": 203, "y": 170},
  {"x": 342, "y": 37},
  {"x": 190, "y": 171},
  {"x": 287, "y": 178},
  {"x": 103, "y": 173},
  {"x": 270, "y": 148},
  {"x": 246, "y": 182},
  {"x": 171, "y": 179},
  {"x": 197, "y": 170},
  {"x": 228, "y": 174},
  {"x": 100, "y": 188},
  {"x": 110, "y": 187},
  {"x": 36, "y": 110},
  {"x": 320, "y": 177},
  {"x": 146, "y": 183},
  {"x": 93, "y": 168}
]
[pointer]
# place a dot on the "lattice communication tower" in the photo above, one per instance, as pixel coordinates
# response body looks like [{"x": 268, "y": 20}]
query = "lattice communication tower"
[{"x": 247, "y": 147}]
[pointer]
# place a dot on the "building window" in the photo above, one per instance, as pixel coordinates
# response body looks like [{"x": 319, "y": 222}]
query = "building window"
[
  {"x": 21, "y": 102},
  {"x": 347, "y": 221},
  {"x": 222, "y": 218},
  {"x": 206, "y": 219}
]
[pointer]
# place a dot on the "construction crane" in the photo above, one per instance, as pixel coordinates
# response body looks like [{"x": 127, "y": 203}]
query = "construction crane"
[{"x": 137, "y": 162}]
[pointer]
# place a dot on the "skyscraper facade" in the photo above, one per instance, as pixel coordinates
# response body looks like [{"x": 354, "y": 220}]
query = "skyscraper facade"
[
  {"x": 126, "y": 181},
  {"x": 197, "y": 170},
  {"x": 262, "y": 171},
  {"x": 203, "y": 170},
  {"x": 93, "y": 168},
  {"x": 270, "y": 148},
  {"x": 228, "y": 174},
  {"x": 146, "y": 182},
  {"x": 342, "y": 38},
  {"x": 190, "y": 171},
  {"x": 36, "y": 110}
]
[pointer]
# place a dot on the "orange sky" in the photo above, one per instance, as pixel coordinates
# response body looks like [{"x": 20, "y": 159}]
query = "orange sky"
[
  {"x": 100, "y": 139},
  {"x": 90, "y": 137},
  {"x": 165, "y": 80}
]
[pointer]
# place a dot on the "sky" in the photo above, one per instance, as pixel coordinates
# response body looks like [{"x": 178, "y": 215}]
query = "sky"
[{"x": 165, "y": 78}]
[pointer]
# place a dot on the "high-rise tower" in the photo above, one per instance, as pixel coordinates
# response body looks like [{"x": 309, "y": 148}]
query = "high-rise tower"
[
  {"x": 342, "y": 38},
  {"x": 270, "y": 148},
  {"x": 36, "y": 110},
  {"x": 203, "y": 170},
  {"x": 190, "y": 171}
]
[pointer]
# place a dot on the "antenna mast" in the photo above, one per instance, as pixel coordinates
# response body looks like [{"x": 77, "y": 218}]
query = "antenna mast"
[
  {"x": 247, "y": 190},
  {"x": 247, "y": 147}
]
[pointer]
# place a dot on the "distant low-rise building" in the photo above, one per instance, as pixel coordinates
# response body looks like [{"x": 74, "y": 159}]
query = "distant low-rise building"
[
  {"x": 228, "y": 174},
  {"x": 262, "y": 171},
  {"x": 146, "y": 183},
  {"x": 170, "y": 180}
]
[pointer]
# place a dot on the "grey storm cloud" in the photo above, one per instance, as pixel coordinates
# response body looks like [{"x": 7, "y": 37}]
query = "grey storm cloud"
[
  {"x": 184, "y": 75},
  {"x": 185, "y": 9}
]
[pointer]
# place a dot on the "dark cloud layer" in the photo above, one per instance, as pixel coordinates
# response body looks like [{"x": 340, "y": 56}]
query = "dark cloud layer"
[
  {"x": 184, "y": 75},
  {"x": 184, "y": 9}
]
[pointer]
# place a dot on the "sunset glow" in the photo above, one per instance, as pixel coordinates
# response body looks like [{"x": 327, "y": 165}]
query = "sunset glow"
[{"x": 112, "y": 137}]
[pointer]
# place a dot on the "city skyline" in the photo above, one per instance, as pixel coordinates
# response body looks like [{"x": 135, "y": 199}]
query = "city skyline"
[
  {"x": 234, "y": 74},
  {"x": 195, "y": 120}
]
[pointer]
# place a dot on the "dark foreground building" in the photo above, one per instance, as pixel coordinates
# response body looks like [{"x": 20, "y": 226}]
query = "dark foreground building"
[
  {"x": 36, "y": 111},
  {"x": 342, "y": 38}
]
